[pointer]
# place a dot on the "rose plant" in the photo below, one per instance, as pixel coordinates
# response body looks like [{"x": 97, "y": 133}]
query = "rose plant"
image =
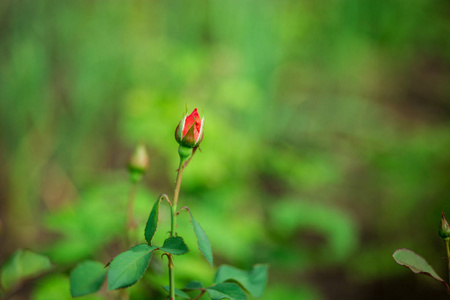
[
  {"x": 128, "y": 267},
  {"x": 418, "y": 264}
]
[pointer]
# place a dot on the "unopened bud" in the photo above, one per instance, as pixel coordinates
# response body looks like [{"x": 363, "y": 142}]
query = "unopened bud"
[
  {"x": 139, "y": 163},
  {"x": 444, "y": 231},
  {"x": 189, "y": 132}
]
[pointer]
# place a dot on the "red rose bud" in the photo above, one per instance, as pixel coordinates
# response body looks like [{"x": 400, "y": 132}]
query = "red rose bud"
[
  {"x": 444, "y": 231},
  {"x": 139, "y": 162},
  {"x": 189, "y": 132}
]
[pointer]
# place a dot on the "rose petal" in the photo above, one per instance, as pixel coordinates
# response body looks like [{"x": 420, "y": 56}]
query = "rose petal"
[{"x": 191, "y": 120}]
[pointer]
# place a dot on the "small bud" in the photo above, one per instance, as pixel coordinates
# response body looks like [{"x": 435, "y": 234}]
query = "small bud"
[
  {"x": 189, "y": 132},
  {"x": 139, "y": 163},
  {"x": 444, "y": 231}
]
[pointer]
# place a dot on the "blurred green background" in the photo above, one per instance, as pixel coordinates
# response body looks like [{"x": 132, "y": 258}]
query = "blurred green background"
[{"x": 327, "y": 137}]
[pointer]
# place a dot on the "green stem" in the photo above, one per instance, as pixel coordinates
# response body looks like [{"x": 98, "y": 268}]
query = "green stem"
[
  {"x": 173, "y": 220},
  {"x": 186, "y": 162},
  {"x": 130, "y": 212},
  {"x": 446, "y": 241},
  {"x": 171, "y": 277},
  {"x": 173, "y": 224},
  {"x": 176, "y": 192}
]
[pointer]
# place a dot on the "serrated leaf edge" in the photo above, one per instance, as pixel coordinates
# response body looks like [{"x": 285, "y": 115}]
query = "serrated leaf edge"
[
  {"x": 150, "y": 252},
  {"x": 162, "y": 248},
  {"x": 198, "y": 242},
  {"x": 155, "y": 209}
]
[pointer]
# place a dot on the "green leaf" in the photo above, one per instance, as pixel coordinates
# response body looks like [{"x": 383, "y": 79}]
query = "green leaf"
[
  {"x": 152, "y": 222},
  {"x": 193, "y": 285},
  {"x": 174, "y": 245},
  {"x": 254, "y": 281},
  {"x": 87, "y": 278},
  {"x": 22, "y": 265},
  {"x": 178, "y": 292},
  {"x": 203, "y": 242},
  {"x": 226, "y": 291},
  {"x": 416, "y": 263},
  {"x": 129, "y": 266}
]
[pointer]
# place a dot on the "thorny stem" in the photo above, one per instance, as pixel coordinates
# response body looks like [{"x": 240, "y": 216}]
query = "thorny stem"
[
  {"x": 176, "y": 192},
  {"x": 173, "y": 224}
]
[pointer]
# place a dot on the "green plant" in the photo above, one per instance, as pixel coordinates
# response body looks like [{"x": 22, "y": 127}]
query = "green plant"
[
  {"x": 418, "y": 264},
  {"x": 128, "y": 267}
]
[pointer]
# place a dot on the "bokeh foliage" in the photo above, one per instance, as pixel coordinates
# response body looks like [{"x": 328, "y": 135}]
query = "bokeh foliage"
[{"x": 326, "y": 140}]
